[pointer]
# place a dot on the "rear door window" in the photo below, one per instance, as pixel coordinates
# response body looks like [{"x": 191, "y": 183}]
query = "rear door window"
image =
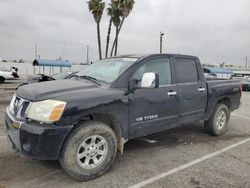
[{"x": 186, "y": 70}]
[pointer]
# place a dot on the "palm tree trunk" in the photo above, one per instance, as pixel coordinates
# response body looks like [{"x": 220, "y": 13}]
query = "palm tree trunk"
[
  {"x": 108, "y": 38},
  {"x": 114, "y": 45},
  {"x": 99, "y": 41},
  {"x": 123, "y": 18}
]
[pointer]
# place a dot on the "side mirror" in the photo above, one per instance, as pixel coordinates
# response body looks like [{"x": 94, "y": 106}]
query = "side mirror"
[{"x": 150, "y": 80}]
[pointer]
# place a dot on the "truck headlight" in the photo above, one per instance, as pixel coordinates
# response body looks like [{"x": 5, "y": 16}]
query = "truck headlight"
[{"x": 46, "y": 111}]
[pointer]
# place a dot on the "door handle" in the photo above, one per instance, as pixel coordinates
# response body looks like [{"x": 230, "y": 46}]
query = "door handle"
[
  {"x": 201, "y": 89},
  {"x": 172, "y": 93}
]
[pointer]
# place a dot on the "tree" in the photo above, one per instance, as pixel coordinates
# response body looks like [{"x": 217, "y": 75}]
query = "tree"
[
  {"x": 125, "y": 6},
  {"x": 116, "y": 18},
  {"x": 109, "y": 32},
  {"x": 96, "y": 7},
  {"x": 111, "y": 14}
]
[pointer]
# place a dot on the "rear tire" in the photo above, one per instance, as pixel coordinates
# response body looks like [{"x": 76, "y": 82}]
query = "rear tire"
[
  {"x": 2, "y": 79},
  {"x": 218, "y": 123},
  {"x": 89, "y": 151}
]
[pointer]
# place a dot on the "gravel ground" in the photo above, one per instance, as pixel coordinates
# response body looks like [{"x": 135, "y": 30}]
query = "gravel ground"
[{"x": 142, "y": 160}]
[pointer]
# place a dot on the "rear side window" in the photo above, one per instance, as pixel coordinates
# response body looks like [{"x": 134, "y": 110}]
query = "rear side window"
[{"x": 185, "y": 70}]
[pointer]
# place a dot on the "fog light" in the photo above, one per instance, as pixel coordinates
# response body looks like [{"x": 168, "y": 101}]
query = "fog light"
[{"x": 26, "y": 145}]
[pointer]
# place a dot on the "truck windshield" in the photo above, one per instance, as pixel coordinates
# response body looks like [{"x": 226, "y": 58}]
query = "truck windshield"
[{"x": 107, "y": 70}]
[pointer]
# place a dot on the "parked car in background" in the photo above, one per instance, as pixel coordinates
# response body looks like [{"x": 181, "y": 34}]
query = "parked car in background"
[
  {"x": 5, "y": 75},
  {"x": 244, "y": 79},
  {"x": 64, "y": 75},
  {"x": 14, "y": 71},
  {"x": 208, "y": 73},
  {"x": 10, "y": 74},
  {"x": 44, "y": 78}
]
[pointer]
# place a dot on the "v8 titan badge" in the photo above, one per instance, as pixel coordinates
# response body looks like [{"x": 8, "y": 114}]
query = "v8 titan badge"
[{"x": 145, "y": 118}]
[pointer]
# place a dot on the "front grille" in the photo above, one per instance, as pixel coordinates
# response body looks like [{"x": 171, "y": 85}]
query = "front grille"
[{"x": 19, "y": 106}]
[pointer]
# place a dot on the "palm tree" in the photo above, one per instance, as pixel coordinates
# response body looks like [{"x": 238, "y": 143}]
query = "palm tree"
[
  {"x": 116, "y": 17},
  {"x": 110, "y": 10},
  {"x": 96, "y": 7},
  {"x": 125, "y": 6}
]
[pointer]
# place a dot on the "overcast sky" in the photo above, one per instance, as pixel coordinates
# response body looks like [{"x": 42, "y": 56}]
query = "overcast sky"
[{"x": 215, "y": 30}]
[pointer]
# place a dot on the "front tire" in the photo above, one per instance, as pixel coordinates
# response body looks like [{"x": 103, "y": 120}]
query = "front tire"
[
  {"x": 89, "y": 151},
  {"x": 218, "y": 123}
]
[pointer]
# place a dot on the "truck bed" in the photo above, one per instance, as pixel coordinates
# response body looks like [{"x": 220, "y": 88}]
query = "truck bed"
[{"x": 222, "y": 89}]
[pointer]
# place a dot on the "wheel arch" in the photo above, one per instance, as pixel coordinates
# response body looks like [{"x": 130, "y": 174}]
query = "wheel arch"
[
  {"x": 107, "y": 119},
  {"x": 226, "y": 101},
  {"x": 223, "y": 100},
  {"x": 114, "y": 124}
]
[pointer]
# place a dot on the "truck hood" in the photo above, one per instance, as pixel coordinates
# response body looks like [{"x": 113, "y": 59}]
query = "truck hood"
[{"x": 54, "y": 89}]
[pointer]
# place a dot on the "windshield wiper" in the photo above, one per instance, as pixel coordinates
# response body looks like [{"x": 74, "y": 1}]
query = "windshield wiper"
[{"x": 90, "y": 78}]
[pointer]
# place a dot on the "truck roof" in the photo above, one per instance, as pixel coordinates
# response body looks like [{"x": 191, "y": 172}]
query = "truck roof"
[{"x": 140, "y": 56}]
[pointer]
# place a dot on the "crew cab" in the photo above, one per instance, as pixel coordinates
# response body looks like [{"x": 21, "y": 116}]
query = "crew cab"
[{"x": 84, "y": 121}]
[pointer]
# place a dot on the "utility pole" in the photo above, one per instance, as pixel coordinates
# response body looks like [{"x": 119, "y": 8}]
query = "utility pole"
[
  {"x": 161, "y": 36},
  {"x": 246, "y": 62},
  {"x": 34, "y": 70},
  {"x": 87, "y": 54},
  {"x": 36, "y": 51}
]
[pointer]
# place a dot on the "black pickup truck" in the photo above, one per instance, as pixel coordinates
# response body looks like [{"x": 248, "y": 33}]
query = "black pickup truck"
[{"x": 84, "y": 121}]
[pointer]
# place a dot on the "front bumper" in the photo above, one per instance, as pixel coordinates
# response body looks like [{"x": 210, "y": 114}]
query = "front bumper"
[{"x": 37, "y": 141}]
